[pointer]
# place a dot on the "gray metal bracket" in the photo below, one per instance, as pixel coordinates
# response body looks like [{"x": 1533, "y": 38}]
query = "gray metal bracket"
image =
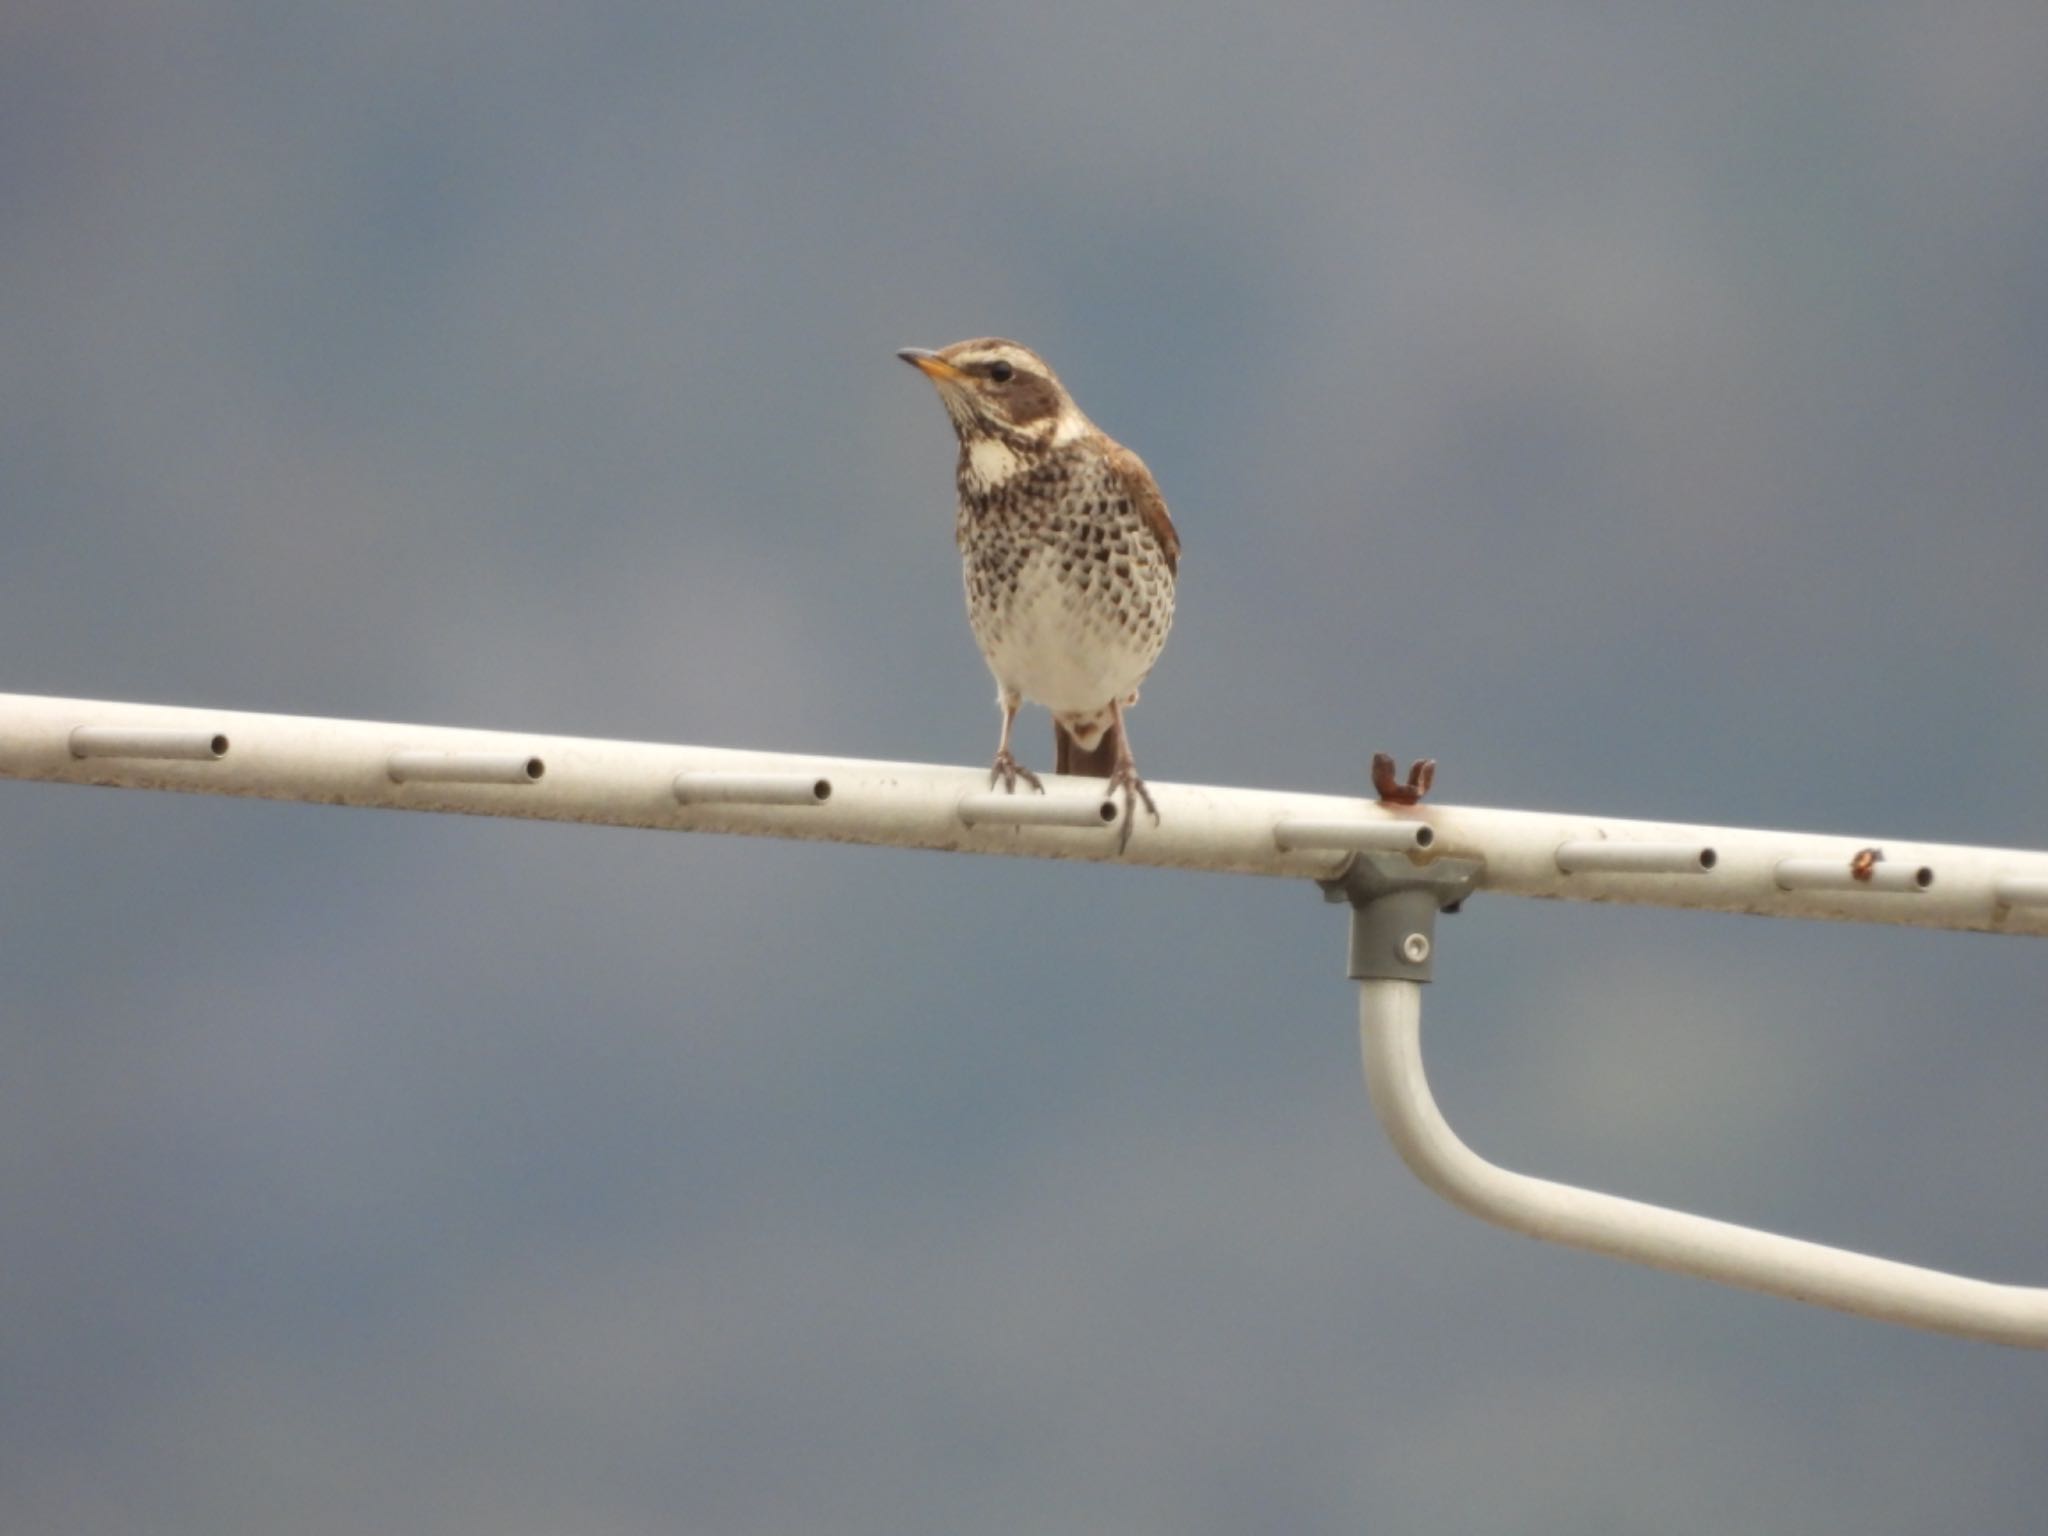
[{"x": 1394, "y": 903}]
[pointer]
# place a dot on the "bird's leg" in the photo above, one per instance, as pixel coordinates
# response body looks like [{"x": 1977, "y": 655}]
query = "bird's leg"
[
  {"x": 1124, "y": 776},
  {"x": 1007, "y": 769}
]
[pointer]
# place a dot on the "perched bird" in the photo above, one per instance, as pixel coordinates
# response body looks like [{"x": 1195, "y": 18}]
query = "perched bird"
[{"x": 1069, "y": 558}]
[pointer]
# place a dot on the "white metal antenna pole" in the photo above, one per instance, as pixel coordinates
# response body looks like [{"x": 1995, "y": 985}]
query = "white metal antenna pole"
[
  {"x": 1390, "y": 1029},
  {"x": 532, "y": 776},
  {"x": 1398, "y": 868}
]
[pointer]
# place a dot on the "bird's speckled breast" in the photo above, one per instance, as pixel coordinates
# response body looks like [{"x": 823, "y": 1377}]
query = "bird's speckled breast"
[{"x": 1068, "y": 592}]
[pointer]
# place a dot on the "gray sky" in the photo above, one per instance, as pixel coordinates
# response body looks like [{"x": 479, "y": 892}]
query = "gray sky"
[{"x": 1639, "y": 409}]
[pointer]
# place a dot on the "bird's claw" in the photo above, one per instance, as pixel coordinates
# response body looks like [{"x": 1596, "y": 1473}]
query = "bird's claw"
[
  {"x": 1007, "y": 771},
  {"x": 1391, "y": 790},
  {"x": 1125, "y": 778}
]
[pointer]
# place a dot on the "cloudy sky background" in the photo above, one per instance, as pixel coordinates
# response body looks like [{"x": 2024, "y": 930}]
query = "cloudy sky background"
[{"x": 1641, "y": 410}]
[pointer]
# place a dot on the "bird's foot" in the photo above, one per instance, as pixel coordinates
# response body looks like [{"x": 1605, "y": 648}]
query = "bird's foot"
[
  {"x": 1125, "y": 778},
  {"x": 1391, "y": 790},
  {"x": 1007, "y": 771}
]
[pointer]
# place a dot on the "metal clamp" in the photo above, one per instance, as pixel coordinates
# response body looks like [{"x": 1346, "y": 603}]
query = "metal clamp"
[{"x": 1394, "y": 903}]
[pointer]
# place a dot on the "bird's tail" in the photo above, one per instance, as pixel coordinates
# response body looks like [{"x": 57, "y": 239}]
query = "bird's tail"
[{"x": 1096, "y": 762}]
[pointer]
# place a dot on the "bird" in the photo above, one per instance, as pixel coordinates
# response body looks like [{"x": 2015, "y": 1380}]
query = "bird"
[{"x": 1068, "y": 555}]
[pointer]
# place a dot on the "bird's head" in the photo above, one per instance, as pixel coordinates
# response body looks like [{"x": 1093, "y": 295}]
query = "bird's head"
[{"x": 997, "y": 389}]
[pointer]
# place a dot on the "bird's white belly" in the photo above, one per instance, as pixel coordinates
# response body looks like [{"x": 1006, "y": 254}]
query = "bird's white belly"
[{"x": 1069, "y": 650}]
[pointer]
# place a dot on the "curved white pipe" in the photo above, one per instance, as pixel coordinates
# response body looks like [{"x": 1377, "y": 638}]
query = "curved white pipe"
[{"x": 1390, "y": 1030}]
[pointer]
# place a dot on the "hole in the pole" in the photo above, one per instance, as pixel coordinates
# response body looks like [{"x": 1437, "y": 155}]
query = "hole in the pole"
[
  {"x": 1923, "y": 877},
  {"x": 822, "y": 791},
  {"x": 1709, "y": 858},
  {"x": 1107, "y": 811},
  {"x": 535, "y": 767},
  {"x": 218, "y": 746},
  {"x": 1424, "y": 836}
]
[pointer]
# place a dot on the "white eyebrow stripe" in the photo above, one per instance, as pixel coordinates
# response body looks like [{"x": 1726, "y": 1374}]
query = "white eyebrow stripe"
[{"x": 1016, "y": 358}]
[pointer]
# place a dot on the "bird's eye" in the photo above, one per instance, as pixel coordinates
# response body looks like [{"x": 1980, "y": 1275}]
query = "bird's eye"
[{"x": 1001, "y": 373}]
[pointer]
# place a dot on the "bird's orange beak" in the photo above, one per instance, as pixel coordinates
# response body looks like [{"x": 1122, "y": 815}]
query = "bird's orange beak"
[{"x": 930, "y": 364}]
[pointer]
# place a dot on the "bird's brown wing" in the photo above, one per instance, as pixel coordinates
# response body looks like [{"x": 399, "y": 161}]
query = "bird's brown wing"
[{"x": 1143, "y": 490}]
